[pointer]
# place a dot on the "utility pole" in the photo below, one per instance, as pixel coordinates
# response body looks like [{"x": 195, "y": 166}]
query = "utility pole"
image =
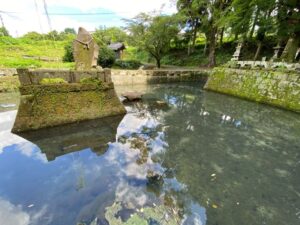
[
  {"x": 2, "y": 22},
  {"x": 47, "y": 14}
]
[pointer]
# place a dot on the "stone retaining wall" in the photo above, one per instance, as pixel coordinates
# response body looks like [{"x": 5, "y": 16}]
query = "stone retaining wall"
[
  {"x": 132, "y": 77},
  {"x": 276, "y": 88}
]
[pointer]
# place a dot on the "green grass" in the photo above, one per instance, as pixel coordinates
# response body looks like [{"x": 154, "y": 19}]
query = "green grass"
[{"x": 13, "y": 50}]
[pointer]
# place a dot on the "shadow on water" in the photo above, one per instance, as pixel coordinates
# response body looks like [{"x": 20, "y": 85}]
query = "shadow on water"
[
  {"x": 61, "y": 140},
  {"x": 181, "y": 156}
]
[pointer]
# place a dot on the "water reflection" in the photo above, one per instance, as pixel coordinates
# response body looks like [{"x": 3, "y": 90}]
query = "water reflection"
[
  {"x": 57, "y": 141},
  {"x": 182, "y": 156}
]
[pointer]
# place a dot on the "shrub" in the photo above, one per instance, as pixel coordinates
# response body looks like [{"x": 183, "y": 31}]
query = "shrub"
[
  {"x": 106, "y": 57},
  {"x": 53, "y": 81},
  {"x": 68, "y": 56},
  {"x": 127, "y": 64}
]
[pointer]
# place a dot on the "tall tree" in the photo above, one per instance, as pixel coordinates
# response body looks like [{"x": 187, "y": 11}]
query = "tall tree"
[
  {"x": 4, "y": 31},
  {"x": 288, "y": 23},
  {"x": 153, "y": 34},
  {"x": 208, "y": 14}
]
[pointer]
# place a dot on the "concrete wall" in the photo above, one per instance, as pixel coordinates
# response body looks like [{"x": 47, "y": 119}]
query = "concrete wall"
[
  {"x": 8, "y": 72},
  {"x": 280, "y": 89},
  {"x": 132, "y": 77}
]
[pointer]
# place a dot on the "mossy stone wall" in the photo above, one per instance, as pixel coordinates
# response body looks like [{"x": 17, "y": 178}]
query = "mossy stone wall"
[
  {"x": 47, "y": 105},
  {"x": 51, "y": 105},
  {"x": 281, "y": 89}
]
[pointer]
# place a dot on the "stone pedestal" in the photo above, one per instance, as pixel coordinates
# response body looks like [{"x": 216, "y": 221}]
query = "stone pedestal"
[{"x": 48, "y": 105}]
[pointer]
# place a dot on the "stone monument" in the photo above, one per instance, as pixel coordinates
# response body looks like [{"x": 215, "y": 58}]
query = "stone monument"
[
  {"x": 237, "y": 53},
  {"x": 86, "y": 50},
  {"x": 55, "y": 97}
]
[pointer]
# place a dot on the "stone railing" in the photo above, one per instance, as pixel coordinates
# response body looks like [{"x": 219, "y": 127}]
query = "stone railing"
[{"x": 265, "y": 64}]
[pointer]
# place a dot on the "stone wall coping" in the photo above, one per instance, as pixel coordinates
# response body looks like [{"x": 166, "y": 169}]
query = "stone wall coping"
[{"x": 34, "y": 76}]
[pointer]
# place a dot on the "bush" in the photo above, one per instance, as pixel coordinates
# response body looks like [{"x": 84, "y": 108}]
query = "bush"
[
  {"x": 53, "y": 81},
  {"x": 106, "y": 57},
  {"x": 68, "y": 56},
  {"x": 127, "y": 64}
]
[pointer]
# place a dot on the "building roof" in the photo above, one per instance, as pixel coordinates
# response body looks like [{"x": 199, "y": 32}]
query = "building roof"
[{"x": 117, "y": 46}]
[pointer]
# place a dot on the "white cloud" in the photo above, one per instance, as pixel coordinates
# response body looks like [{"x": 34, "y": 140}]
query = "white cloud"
[
  {"x": 29, "y": 19},
  {"x": 8, "y": 139},
  {"x": 12, "y": 215}
]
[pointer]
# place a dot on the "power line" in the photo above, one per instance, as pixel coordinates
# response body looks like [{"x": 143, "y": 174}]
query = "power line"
[
  {"x": 2, "y": 22},
  {"x": 87, "y": 14}
]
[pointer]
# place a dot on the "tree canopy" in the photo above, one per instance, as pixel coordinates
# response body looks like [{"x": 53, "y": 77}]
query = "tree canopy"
[{"x": 153, "y": 33}]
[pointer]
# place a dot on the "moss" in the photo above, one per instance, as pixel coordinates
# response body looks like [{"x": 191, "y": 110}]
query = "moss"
[
  {"x": 51, "y": 105},
  {"x": 90, "y": 80},
  {"x": 53, "y": 81}
]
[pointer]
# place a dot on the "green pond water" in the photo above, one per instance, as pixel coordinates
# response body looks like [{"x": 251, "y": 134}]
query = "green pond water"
[{"x": 180, "y": 156}]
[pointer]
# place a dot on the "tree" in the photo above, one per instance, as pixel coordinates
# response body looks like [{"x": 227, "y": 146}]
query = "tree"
[
  {"x": 69, "y": 30},
  {"x": 192, "y": 19},
  {"x": 34, "y": 36},
  {"x": 105, "y": 36},
  {"x": 3, "y": 32},
  {"x": 153, "y": 34},
  {"x": 288, "y": 20},
  {"x": 207, "y": 16}
]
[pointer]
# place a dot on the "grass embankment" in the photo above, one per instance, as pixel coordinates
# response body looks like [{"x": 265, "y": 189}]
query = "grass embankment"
[
  {"x": 24, "y": 52},
  {"x": 178, "y": 56},
  {"x": 19, "y": 52}
]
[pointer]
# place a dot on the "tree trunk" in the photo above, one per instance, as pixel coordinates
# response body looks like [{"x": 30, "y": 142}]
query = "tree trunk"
[
  {"x": 221, "y": 36},
  {"x": 258, "y": 50},
  {"x": 157, "y": 62},
  {"x": 254, "y": 23},
  {"x": 194, "y": 39},
  {"x": 236, "y": 37},
  {"x": 290, "y": 50},
  {"x": 205, "y": 46},
  {"x": 212, "y": 48}
]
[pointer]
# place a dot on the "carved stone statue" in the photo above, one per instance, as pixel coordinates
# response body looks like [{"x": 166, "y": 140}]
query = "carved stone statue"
[{"x": 86, "y": 50}]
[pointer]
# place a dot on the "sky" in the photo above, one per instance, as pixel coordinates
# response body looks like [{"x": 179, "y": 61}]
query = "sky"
[{"x": 22, "y": 16}]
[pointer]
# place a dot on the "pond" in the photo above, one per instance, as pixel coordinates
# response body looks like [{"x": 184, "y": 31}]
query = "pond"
[{"x": 181, "y": 156}]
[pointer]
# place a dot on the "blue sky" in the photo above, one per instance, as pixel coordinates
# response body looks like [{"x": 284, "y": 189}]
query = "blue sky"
[{"x": 30, "y": 14}]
